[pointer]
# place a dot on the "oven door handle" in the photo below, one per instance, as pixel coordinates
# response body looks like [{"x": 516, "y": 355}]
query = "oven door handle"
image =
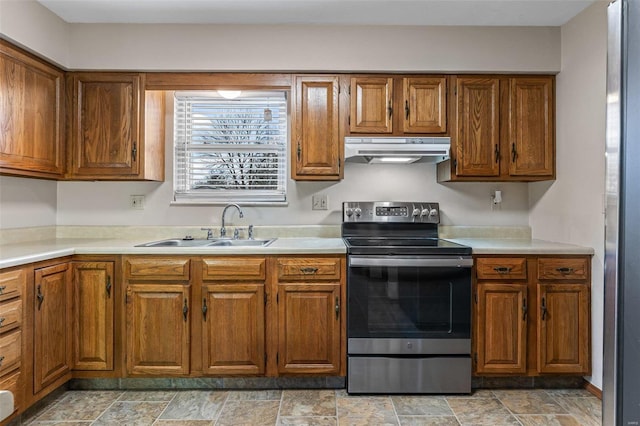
[{"x": 396, "y": 261}]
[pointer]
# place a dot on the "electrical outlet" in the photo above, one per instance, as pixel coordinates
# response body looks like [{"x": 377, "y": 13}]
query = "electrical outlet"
[
  {"x": 137, "y": 202},
  {"x": 319, "y": 202}
]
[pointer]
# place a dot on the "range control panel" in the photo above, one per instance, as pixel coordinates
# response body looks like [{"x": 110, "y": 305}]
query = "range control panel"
[{"x": 391, "y": 211}]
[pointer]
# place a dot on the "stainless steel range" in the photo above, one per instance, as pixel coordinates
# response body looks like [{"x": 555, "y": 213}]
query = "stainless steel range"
[{"x": 409, "y": 301}]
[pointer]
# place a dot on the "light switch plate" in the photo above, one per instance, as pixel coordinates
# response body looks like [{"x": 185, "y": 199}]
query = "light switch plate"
[
  {"x": 137, "y": 202},
  {"x": 319, "y": 202}
]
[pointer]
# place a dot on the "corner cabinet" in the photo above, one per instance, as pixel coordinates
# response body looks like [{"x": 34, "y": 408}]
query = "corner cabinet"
[
  {"x": 94, "y": 290},
  {"x": 116, "y": 128},
  {"x": 52, "y": 338},
  {"x": 31, "y": 115},
  {"x": 532, "y": 315},
  {"x": 410, "y": 105},
  {"x": 317, "y": 150},
  {"x": 505, "y": 129}
]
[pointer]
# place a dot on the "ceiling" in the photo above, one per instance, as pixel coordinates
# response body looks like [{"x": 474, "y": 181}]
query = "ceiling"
[{"x": 321, "y": 12}]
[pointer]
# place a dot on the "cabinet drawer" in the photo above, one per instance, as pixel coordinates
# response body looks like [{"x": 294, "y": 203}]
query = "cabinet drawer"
[
  {"x": 563, "y": 269},
  {"x": 10, "y": 351},
  {"x": 501, "y": 268},
  {"x": 10, "y": 315},
  {"x": 11, "y": 284},
  {"x": 157, "y": 268},
  {"x": 308, "y": 268},
  {"x": 12, "y": 384},
  {"x": 234, "y": 268}
]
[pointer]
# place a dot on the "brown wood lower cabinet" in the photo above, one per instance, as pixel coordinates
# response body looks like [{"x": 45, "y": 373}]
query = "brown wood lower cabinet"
[
  {"x": 52, "y": 325},
  {"x": 158, "y": 331},
  {"x": 93, "y": 319},
  {"x": 309, "y": 328},
  {"x": 233, "y": 332},
  {"x": 532, "y": 315}
]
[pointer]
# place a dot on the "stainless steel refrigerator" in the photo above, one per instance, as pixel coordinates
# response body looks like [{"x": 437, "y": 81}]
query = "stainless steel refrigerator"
[{"x": 621, "y": 384}]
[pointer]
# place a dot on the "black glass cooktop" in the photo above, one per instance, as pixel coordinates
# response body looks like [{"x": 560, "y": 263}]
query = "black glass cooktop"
[{"x": 414, "y": 246}]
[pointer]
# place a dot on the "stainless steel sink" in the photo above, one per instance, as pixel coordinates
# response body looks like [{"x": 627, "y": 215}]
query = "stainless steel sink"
[
  {"x": 221, "y": 242},
  {"x": 241, "y": 243}
]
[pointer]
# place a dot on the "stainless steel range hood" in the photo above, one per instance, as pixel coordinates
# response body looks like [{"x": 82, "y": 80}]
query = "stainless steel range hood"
[{"x": 398, "y": 150}]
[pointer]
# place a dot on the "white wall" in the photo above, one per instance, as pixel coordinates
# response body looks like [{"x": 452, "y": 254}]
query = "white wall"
[
  {"x": 571, "y": 210},
  {"x": 314, "y": 47},
  {"x": 27, "y": 202},
  {"x": 35, "y": 28}
]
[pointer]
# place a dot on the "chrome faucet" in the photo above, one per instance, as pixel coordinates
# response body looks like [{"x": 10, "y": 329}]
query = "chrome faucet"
[{"x": 223, "y": 230}]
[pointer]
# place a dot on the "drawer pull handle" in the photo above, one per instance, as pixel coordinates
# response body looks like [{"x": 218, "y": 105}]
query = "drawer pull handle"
[
  {"x": 502, "y": 269},
  {"x": 2, "y": 321},
  {"x": 40, "y": 297},
  {"x": 524, "y": 309},
  {"x": 544, "y": 309},
  {"x": 2, "y": 289},
  {"x": 1, "y": 359},
  {"x": 337, "y": 307},
  {"x": 565, "y": 270},
  {"x": 308, "y": 270}
]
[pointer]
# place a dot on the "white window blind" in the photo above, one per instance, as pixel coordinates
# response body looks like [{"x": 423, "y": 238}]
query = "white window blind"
[{"x": 230, "y": 150}]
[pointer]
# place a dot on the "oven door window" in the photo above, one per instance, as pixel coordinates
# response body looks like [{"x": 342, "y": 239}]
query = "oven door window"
[{"x": 409, "y": 302}]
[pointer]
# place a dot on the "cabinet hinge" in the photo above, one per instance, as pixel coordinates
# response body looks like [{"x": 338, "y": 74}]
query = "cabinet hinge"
[
  {"x": 126, "y": 298},
  {"x": 277, "y": 298},
  {"x": 349, "y": 121},
  {"x": 349, "y": 89},
  {"x": 475, "y": 357},
  {"x": 475, "y": 297},
  {"x": 455, "y": 163},
  {"x": 338, "y": 164},
  {"x": 265, "y": 299},
  {"x": 277, "y": 358}
]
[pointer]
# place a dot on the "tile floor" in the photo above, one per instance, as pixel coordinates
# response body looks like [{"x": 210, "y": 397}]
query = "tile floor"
[{"x": 565, "y": 407}]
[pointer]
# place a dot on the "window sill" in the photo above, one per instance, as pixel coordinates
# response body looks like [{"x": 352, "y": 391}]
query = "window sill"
[{"x": 225, "y": 202}]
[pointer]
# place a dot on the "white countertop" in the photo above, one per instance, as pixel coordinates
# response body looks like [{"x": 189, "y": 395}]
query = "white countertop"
[
  {"x": 16, "y": 254},
  {"x": 34, "y": 251},
  {"x": 521, "y": 246}
]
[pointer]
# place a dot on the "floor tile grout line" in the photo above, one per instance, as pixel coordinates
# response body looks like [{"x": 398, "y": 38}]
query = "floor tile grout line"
[
  {"x": 105, "y": 410},
  {"x": 455, "y": 415},
  {"x": 280, "y": 407},
  {"x": 514, "y": 415},
  {"x": 165, "y": 408},
  {"x": 224, "y": 404}
]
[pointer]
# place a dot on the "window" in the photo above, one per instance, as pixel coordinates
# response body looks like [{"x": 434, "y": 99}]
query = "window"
[{"x": 230, "y": 150}]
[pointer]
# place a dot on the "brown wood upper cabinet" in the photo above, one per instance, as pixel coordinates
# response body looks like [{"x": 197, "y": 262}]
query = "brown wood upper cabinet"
[
  {"x": 419, "y": 105},
  {"x": 316, "y": 149},
  {"x": 31, "y": 115},
  {"x": 116, "y": 129},
  {"x": 504, "y": 129}
]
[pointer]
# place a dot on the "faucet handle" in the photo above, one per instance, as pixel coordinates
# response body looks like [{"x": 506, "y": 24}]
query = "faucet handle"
[
  {"x": 209, "y": 233},
  {"x": 250, "y": 232},
  {"x": 236, "y": 233}
]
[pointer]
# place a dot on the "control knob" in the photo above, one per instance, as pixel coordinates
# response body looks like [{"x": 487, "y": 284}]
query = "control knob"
[
  {"x": 433, "y": 212},
  {"x": 357, "y": 211},
  {"x": 349, "y": 212},
  {"x": 416, "y": 212}
]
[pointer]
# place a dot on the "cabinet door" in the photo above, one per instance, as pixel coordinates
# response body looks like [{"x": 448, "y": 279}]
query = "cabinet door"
[
  {"x": 233, "y": 334},
  {"x": 478, "y": 130},
  {"x": 531, "y": 130},
  {"x": 425, "y": 105},
  {"x": 316, "y": 143},
  {"x": 308, "y": 328},
  {"x": 106, "y": 110},
  {"x": 52, "y": 325},
  {"x": 93, "y": 304},
  {"x": 371, "y": 105},
  {"x": 563, "y": 328},
  {"x": 158, "y": 329},
  {"x": 501, "y": 328},
  {"x": 31, "y": 115}
]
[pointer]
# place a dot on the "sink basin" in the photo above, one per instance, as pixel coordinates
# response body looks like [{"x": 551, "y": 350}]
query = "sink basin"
[
  {"x": 176, "y": 242},
  {"x": 242, "y": 243},
  {"x": 223, "y": 242}
]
